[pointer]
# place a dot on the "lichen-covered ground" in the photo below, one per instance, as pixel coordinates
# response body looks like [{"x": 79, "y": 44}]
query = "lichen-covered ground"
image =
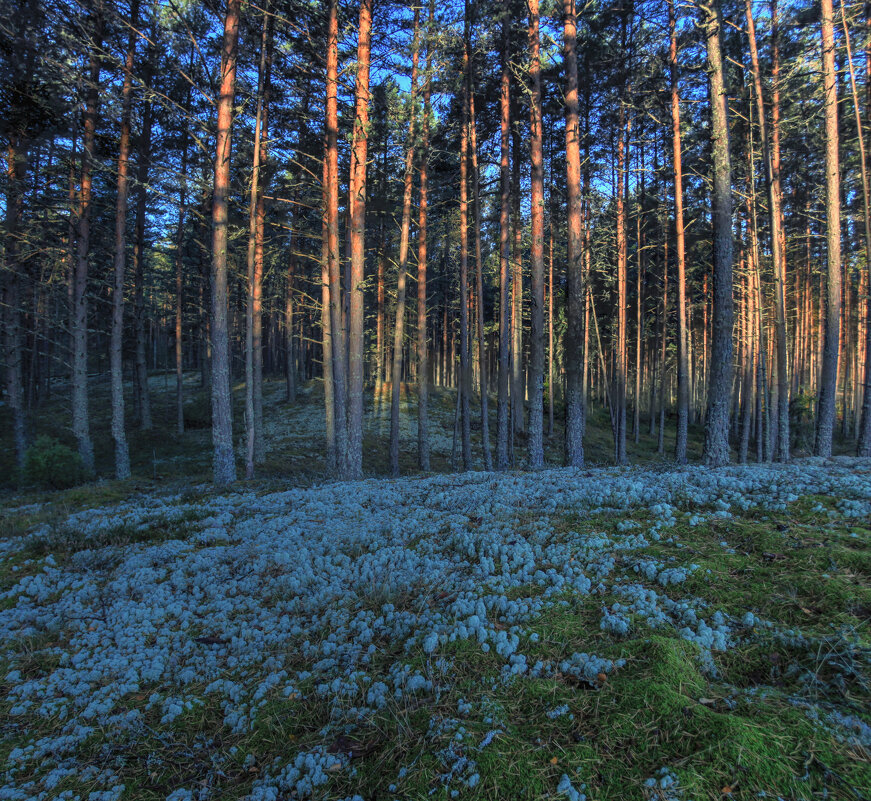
[{"x": 611, "y": 634}]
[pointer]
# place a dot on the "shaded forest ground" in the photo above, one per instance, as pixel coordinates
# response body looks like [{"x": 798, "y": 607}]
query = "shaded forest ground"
[{"x": 294, "y": 435}]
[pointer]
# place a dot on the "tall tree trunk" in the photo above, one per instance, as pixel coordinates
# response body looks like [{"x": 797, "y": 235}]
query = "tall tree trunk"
[
  {"x": 536, "y": 350},
  {"x": 574, "y": 332},
  {"x": 10, "y": 283},
  {"x": 587, "y": 260},
  {"x": 622, "y": 297},
  {"x": 116, "y": 349},
  {"x": 334, "y": 265},
  {"x": 763, "y": 400},
  {"x": 143, "y": 398},
  {"x": 10, "y": 293},
  {"x": 465, "y": 382},
  {"x": 663, "y": 352},
  {"x": 503, "y": 427},
  {"x": 289, "y": 342},
  {"x": 517, "y": 390},
  {"x": 761, "y": 405},
  {"x": 422, "y": 355},
  {"x": 748, "y": 364},
  {"x": 79, "y": 322},
  {"x": 224, "y": 463},
  {"x": 179, "y": 278},
  {"x": 639, "y": 295},
  {"x": 716, "y": 449},
  {"x": 15, "y": 172},
  {"x": 254, "y": 288},
  {"x": 399, "y": 328},
  {"x": 829, "y": 374},
  {"x": 775, "y": 171},
  {"x": 327, "y": 325},
  {"x": 683, "y": 380},
  {"x": 479, "y": 266},
  {"x": 259, "y": 248},
  {"x": 358, "y": 244},
  {"x": 778, "y": 254},
  {"x": 380, "y": 338},
  {"x": 550, "y": 355},
  {"x": 204, "y": 289},
  {"x": 72, "y": 204},
  {"x": 863, "y": 447}
]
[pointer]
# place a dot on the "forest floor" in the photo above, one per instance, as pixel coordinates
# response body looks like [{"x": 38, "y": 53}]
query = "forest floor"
[
  {"x": 294, "y": 434},
  {"x": 609, "y": 633}
]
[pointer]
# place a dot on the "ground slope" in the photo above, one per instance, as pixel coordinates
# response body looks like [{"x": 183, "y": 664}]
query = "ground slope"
[{"x": 615, "y": 634}]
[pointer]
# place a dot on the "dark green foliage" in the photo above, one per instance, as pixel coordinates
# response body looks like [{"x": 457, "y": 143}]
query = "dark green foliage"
[{"x": 53, "y": 465}]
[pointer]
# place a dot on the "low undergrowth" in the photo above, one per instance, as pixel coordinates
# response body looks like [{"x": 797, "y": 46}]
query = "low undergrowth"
[{"x": 601, "y": 634}]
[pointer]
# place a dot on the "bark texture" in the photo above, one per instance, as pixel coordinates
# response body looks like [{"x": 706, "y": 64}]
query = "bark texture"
[
  {"x": 831, "y": 335},
  {"x": 223, "y": 460},
  {"x": 536, "y": 334},
  {"x": 716, "y": 449}
]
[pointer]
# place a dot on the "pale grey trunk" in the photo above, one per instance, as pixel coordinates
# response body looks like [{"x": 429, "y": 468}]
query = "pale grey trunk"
[{"x": 716, "y": 450}]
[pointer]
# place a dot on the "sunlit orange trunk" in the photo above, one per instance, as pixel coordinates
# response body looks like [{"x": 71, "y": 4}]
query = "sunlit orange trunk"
[
  {"x": 503, "y": 428},
  {"x": 576, "y": 310},
  {"x": 829, "y": 373},
  {"x": 359, "y": 149},
  {"x": 622, "y": 297},
  {"x": 422, "y": 342},
  {"x": 222, "y": 412}
]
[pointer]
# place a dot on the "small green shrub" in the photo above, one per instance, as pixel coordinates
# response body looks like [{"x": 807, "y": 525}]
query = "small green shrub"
[{"x": 49, "y": 463}]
